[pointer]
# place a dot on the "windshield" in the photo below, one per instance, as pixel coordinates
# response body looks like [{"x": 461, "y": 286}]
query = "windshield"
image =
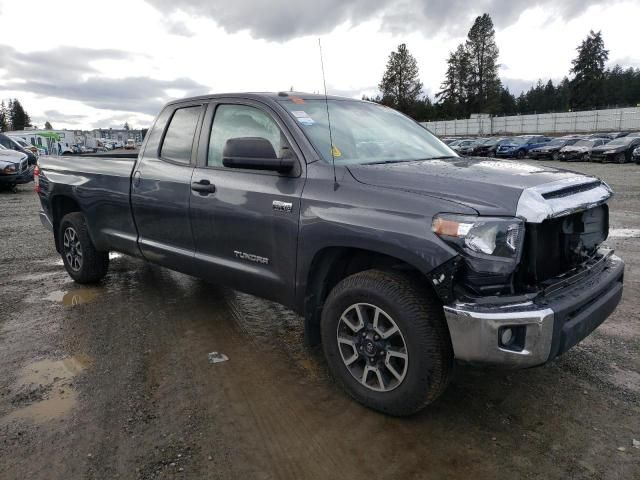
[
  {"x": 584, "y": 143},
  {"x": 621, "y": 141},
  {"x": 519, "y": 140},
  {"x": 364, "y": 132}
]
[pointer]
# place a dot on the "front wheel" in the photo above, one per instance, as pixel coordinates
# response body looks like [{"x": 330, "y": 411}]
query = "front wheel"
[
  {"x": 520, "y": 154},
  {"x": 82, "y": 261},
  {"x": 555, "y": 156},
  {"x": 386, "y": 341},
  {"x": 621, "y": 158}
]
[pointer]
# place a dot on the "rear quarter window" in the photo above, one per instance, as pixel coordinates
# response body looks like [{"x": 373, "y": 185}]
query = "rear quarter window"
[{"x": 178, "y": 139}]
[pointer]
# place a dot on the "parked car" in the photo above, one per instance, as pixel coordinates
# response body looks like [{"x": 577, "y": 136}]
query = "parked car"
[
  {"x": 12, "y": 144},
  {"x": 518, "y": 147},
  {"x": 634, "y": 134},
  {"x": 488, "y": 147},
  {"x": 608, "y": 135},
  {"x": 456, "y": 144},
  {"x": 618, "y": 150},
  {"x": 636, "y": 155},
  {"x": 130, "y": 145},
  {"x": 551, "y": 149},
  {"x": 417, "y": 259},
  {"x": 14, "y": 168},
  {"x": 581, "y": 150},
  {"x": 466, "y": 147}
]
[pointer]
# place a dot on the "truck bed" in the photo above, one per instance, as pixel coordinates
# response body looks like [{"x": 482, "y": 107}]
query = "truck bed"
[{"x": 100, "y": 185}]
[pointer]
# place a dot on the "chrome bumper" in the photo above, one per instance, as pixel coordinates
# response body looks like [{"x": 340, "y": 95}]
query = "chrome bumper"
[
  {"x": 547, "y": 328},
  {"x": 475, "y": 334}
]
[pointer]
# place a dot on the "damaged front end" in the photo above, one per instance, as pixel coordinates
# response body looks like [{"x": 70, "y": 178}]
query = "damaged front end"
[{"x": 553, "y": 282}]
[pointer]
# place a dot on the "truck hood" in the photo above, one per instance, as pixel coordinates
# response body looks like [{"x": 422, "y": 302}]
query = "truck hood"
[
  {"x": 11, "y": 156},
  {"x": 491, "y": 187}
]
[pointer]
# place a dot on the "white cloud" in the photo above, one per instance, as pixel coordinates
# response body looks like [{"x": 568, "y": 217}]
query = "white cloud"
[{"x": 94, "y": 64}]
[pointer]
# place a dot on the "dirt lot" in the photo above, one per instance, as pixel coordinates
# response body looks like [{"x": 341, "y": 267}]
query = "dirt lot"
[{"x": 113, "y": 382}]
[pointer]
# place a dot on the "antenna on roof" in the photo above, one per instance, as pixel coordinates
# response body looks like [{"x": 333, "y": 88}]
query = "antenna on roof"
[{"x": 326, "y": 102}]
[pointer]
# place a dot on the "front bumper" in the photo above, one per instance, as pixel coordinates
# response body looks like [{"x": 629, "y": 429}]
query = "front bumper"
[
  {"x": 506, "y": 153},
  {"x": 18, "y": 178},
  {"x": 572, "y": 155},
  {"x": 548, "y": 326}
]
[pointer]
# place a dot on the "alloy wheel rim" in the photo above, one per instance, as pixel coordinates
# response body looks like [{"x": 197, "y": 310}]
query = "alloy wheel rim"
[
  {"x": 72, "y": 249},
  {"x": 372, "y": 347}
]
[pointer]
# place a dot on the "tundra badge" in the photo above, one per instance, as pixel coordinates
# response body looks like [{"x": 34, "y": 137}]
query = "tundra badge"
[
  {"x": 282, "y": 206},
  {"x": 251, "y": 257}
]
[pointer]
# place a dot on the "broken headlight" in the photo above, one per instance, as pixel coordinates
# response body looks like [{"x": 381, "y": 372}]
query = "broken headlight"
[{"x": 488, "y": 244}]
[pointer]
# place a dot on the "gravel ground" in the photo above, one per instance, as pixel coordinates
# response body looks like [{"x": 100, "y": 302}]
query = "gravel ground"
[{"x": 113, "y": 382}]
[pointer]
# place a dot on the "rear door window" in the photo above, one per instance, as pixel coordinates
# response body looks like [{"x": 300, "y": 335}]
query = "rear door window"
[{"x": 178, "y": 140}]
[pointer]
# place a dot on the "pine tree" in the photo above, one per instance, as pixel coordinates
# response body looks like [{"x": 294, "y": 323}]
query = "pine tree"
[
  {"x": 400, "y": 85},
  {"x": 4, "y": 117},
  {"x": 126, "y": 126},
  {"x": 482, "y": 51},
  {"x": 47, "y": 125},
  {"x": 19, "y": 118},
  {"x": 454, "y": 91},
  {"x": 587, "y": 86}
]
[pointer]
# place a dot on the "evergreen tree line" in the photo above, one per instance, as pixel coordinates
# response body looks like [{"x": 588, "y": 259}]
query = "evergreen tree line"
[
  {"x": 472, "y": 84},
  {"x": 13, "y": 116}
]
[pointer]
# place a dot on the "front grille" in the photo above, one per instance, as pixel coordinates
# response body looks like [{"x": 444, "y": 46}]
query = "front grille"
[{"x": 558, "y": 245}]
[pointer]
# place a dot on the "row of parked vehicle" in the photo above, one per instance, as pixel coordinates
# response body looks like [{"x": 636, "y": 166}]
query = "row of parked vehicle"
[
  {"x": 616, "y": 147},
  {"x": 17, "y": 162}
]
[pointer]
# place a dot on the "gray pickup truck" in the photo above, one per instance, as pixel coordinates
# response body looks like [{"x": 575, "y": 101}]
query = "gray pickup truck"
[{"x": 401, "y": 256}]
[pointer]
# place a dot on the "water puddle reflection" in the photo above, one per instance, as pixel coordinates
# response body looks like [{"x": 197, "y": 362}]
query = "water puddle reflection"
[{"x": 74, "y": 297}]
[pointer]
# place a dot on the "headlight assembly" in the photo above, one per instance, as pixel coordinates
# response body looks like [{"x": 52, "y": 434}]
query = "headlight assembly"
[
  {"x": 10, "y": 169},
  {"x": 488, "y": 244}
]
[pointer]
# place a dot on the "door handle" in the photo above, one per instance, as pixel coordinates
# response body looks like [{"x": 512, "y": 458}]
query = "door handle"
[{"x": 203, "y": 186}]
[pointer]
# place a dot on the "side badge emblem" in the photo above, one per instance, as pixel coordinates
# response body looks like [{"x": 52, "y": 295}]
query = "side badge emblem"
[{"x": 285, "y": 207}]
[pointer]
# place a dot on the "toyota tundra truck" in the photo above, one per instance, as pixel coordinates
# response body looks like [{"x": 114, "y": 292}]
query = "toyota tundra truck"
[{"x": 401, "y": 256}]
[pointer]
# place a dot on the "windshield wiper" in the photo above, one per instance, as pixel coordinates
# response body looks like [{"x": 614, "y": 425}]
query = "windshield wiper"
[{"x": 382, "y": 162}]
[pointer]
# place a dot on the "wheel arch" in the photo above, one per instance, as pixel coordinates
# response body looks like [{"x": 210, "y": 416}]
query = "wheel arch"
[
  {"x": 61, "y": 205},
  {"x": 332, "y": 264}
]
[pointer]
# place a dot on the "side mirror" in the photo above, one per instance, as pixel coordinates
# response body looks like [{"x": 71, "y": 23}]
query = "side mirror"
[{"x": 254, "y": 153}]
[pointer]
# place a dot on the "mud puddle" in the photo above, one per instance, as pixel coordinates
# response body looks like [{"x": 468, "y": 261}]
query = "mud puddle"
[{"x": 46, "y": 387}]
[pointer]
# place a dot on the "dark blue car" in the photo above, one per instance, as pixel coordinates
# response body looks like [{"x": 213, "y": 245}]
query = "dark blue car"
[{"x": 518, "y": 147}]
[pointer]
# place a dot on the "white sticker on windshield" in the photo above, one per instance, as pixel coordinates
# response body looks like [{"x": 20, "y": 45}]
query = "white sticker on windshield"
[{"x": 303, "y": 117}]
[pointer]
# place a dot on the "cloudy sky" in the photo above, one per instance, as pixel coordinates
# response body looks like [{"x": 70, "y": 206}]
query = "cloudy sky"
[{"x": 85, "y": 64}]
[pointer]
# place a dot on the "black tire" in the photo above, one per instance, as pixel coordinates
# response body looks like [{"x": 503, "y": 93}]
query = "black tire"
[
  {"x": 520, "y": 154},
  {"x": 585, "y": 157},
  {"x": 621, "y": 158},
  {"x": 91, "y": 265},
  {"x": 555, "y": 156},
  {"x": 420, "y": 319}
]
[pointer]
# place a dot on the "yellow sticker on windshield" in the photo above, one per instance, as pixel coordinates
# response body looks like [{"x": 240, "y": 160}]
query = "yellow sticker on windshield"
[{"x": 335, "y": 151}]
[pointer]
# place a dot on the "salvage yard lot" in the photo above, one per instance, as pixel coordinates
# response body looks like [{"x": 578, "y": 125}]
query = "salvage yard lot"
[{"x": 113, "y": 381}]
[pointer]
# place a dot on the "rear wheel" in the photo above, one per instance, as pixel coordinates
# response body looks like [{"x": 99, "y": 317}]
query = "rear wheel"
[
  {"x": 621, "y": 158},
  {"x": 555, "y": 156},
  {"x": 520, "y": 154},
  {"x": 386, "y": 341},
  {"x": 585, "y": 157},
  {"x": 82, "y": 261}
]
